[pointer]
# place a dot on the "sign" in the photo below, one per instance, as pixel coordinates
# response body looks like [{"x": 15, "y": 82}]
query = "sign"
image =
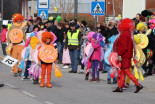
[
  {"x": 43, "y": 14},
  {"x": 43, "y": 4},
  {"x": 97, "y": 8},
  {"x": 10, "y": 61}
]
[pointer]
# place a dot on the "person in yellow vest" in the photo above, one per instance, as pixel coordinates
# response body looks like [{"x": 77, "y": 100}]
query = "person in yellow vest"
[
  {"x": 9, "y": 24},
  {"x": 72, "y": 43},
  {"x": 16, "y": 38}
]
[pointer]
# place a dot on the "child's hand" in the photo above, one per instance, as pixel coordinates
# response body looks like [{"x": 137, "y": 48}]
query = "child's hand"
[{"x": 120, "y": 58}]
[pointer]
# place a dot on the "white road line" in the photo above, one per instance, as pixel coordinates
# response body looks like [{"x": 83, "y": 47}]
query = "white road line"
[
  {"x": 48, "y": 102},
  {"x": 28, "y": 94},
  {"x": 10, "y": 85}
]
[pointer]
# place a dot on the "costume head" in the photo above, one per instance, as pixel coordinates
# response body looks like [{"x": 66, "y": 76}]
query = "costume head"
[
  {"x": 126, "y": 25},
  {"x": 16, "y": 35},
  {"x": 90, "y": 35},
  {"x": 137, "y": 39},
  {"x": 17, "y": 19},
  {"x": 47, "y": 53},
  {"x": 152, "y": 24},
  {"x": 141, "y": 26},
  {"x": 58, "y": 19},
  {"x": 47, "y": 35},
  {"x": 98, "y": 37}
]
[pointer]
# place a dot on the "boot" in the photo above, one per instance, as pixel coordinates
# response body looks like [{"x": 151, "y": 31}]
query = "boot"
[
  {"x": 97, "y": 79},
  {"x": 41, "y": 85},
  {"x": 118, "y": 90},
  {"x": 108, "y": 81},
  {"x": 49, "y": 85},
  {"x": 1, "y": 85},
  {"x": 138, "y": 88},
  {"x": 35, "y": 81},
  {"x": 93, "y": 79},
  {"x": 87, "y": 76},
  {"x": 114, "y": 81}
]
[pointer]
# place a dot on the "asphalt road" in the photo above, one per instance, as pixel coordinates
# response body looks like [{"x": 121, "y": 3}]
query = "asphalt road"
[{"x": 71, "y": 89}]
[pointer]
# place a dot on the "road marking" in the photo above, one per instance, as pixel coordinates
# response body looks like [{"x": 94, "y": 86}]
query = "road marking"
[
  {"x": 48, "y": 102},
  {"x": 28, "y": 94},
  {"x": 10, "y": 85}
]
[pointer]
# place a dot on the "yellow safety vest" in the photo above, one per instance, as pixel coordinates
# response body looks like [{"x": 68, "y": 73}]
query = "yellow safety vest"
[{"x": 73, "y": 40}]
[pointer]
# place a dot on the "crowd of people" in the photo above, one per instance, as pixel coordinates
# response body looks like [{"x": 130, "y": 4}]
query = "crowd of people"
[{"x": 117, "y": 48}]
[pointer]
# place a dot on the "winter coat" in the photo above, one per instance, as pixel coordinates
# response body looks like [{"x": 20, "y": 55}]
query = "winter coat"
[
  {"x": 97, "y": 51},
  {"x": 3, "y": 35}
]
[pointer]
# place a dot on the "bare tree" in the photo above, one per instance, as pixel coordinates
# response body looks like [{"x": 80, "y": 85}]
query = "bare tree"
[{"x": 65, "y": 7}]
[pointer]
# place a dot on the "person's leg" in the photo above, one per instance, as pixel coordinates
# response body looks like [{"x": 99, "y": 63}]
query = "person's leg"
[
  {"x": 49, "y": 69},
  {"x": 93, "y": 70},
  {"x": 20, "y": 48},
  {"x": 128, "y": 79},
  {"x": 75, "y": 55},
  {"x": 120, "y": 81},
  {"x": 14, "y": 55},
  {"x": 71, "y": 53},
  {"x": 4, "y": 48},
  {"x": 28, "y": 64},
  {"x": 97, "y": 63},
  {"x": 101, "y": 66},
  {"x": 145, "y": 64},
  {"x": 43, "y": 73},
  {"x": 131, "y": 76}
]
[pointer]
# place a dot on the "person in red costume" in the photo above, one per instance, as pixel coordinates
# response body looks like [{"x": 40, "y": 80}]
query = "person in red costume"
[{"x": 124, "y": 47}]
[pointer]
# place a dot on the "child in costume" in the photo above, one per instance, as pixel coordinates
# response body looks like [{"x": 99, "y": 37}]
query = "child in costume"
[
  {"x": 125, "y": 48},
  {"x": 47, "y": 55},
  {"x": 95, "y": 57},
  {"x": 16, "y": 37},
  {"x": 89, "y": 37},
  {"x": 140, "y": 58}
]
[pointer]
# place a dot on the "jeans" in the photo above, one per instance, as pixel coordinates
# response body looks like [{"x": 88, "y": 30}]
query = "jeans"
[
  {"x": 4, "y": 48},
  {"x": 59, "y": 51},
  {"x": 28, "y": 64},
  {"x": 107, "y": 68},
  {"x": 74, "y": 58}
]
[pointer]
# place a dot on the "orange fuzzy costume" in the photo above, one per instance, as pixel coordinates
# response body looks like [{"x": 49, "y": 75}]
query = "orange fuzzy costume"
[
  {"x": 16, "y": 36},
  {"x": 47, "y": 55}
]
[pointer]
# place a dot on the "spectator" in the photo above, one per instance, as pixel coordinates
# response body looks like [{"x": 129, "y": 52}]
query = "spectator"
[
  {"x": 72, "y": 43},
  {"x": 30, "y": 26},
  {"x": 3, "y": 38}
]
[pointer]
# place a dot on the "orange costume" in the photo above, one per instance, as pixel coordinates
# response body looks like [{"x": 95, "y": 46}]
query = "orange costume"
[
  {"x": 47, "y": 55},
  {"x": 16, "y": 37}
]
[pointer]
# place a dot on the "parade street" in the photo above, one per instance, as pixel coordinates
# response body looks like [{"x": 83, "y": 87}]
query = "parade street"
[{"x": 71, "y": 89}]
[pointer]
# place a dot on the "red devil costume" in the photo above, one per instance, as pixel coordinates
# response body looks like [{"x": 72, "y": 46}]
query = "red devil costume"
[{"x": 125, "y": 45}]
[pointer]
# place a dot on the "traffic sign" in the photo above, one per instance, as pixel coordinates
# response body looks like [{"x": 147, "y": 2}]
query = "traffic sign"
[
  {"x": 97, "y": 8},
  {"x": 43, "y": 4},
  {"x": 43, "y": 14}
]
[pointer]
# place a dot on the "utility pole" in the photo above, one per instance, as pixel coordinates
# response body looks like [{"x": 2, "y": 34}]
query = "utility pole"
[
  {"x": 96, "y": 19},
  {"x": 113, "y": 10},
  {"x": 1, "y": 11},
  {"x": 75, "y": 8}
]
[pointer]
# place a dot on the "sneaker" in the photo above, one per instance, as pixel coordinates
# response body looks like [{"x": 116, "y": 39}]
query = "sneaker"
[
  {"x": 81, "y": 71},
  {"x": 71, "y": 71},
  {"x": 20, "y": 73},
  {"x": 65, "y": 67},
  {"x": 15, "y": 75},
  {"x": 108, "y": 81},
  {"x": 24, "y": 78},
  {"x": 92, "y": 80}
]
